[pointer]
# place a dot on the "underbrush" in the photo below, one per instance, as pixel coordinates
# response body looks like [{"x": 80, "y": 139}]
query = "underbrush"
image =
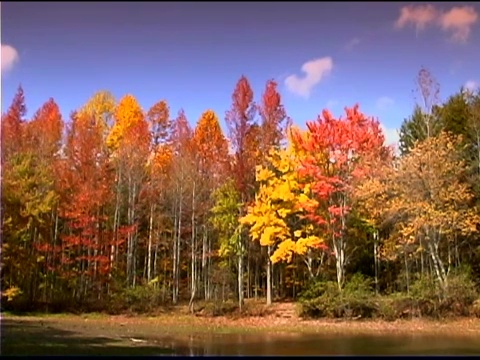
[
  {"x": 141, "y": 300},
  {"x": 229, "y": 308},
  {"x": 357, "y": 300}
]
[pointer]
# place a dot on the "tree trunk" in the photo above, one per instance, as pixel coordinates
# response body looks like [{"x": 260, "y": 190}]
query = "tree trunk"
[
  {"x": 407, "y": 273},
  {"x": 174, "y": 254},
  {"x": 376, "y": 259},
  {"x": 269, "y": 277},
  {"x": 149, "y": 249},
  {"x": 338, "y": 248},
  {"x": 438, "y": 265},
  {"x": 194, "y": 278},
  {"x": 114, "y": 247},
  {"x": 204, "y": 262},
  {"x": 176, "y": 259}
]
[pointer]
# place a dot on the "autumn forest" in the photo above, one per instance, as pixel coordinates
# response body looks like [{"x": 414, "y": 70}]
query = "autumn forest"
[{"x": 121, "y": 208}]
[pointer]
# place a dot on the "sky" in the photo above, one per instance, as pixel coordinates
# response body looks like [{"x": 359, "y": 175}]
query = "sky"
[{"x": 322, "y": 54}]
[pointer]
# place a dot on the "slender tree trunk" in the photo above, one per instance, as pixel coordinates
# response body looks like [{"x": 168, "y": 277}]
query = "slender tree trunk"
[
  {"x": 176, "y": 278},
  {"x": 249, "y": 262},
  {"x": 155, "y": 259},
  {"x": 240, "y": 282},
  {"x": 338, "y": 248},
  {"x": 422, "y": 260},
  {"x": 449, "y": 258},
  {"x": 204, "y": 262},
  {"x": 407, "y": 272},
  {"x": 130, "y": 237},
  {"x": 309, "y": 262},
  {"x": 240, "y": 265},
  {"x": 438, "y": 264},
  {"x": 376, "y": 259},
  {"x": 269, "y": 277},
  {"x": 194, "y": 280},
  {"x": 257, "y": 280},
  {"x": 457, "y": 257},
  {"x": 175, "y": 252},
  {"x": 209, "y": 267},
  {"x": 149, "y": 249},
  {"x": 134, "y": 237}
]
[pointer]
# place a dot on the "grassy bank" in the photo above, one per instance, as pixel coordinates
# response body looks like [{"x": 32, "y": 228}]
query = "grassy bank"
[{"x": 177, "y": 322}]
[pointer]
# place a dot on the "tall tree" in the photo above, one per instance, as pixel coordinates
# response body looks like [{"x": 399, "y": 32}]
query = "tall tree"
[
  {"x": 273, "y": 129},
  {"x": 182, "y": 147},
  {"x": 431, "y": 198},
  {"x": 86, "y": 180},
  {"x": 337, "y": 151},
  {"x": 12, "y": 124},
  {"x": 425, "y": 121},
  {"x": 212, "y": 161},
  {"x": 160, "y": 123},
  {"x": 101, "y": 108},
  {"x": 240, "y": 122},
  {"x": 274, "y": 120},
  {"x": 129, "y": 141},
  {"x": 154, "y": 190}
]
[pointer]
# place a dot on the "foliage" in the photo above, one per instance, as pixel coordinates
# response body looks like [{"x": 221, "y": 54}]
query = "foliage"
[
  {"x": 336, "y": 152},
  {"x": 225, "y": 218},
  {"x": 274, "y": 218},
  {"x": 96, "y": 206},
  {"x": 324, "y": 299}
]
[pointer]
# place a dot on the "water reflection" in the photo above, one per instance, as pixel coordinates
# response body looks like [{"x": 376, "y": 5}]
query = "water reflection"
[{"x": 293, "y": 345}]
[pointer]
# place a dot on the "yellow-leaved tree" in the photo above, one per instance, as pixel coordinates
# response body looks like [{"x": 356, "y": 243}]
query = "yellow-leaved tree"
[
  {"x": 274, "y": 219},
  {"x": 100, "y": 107},
  {"x": 127, "y": 114},
  {"x": 430, "y": 200}
]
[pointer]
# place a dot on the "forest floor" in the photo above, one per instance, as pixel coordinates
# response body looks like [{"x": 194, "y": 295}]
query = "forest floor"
[{"x": 146, "y": 335}]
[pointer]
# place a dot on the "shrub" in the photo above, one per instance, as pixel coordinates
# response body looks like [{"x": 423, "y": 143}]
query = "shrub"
[
  {"x": 324, "y": 299},
  {"x": 476, "y": 308},
  {"x": 141, "y": 299},
  {"x": 218, "y": 308},
  {"x": 460, "y": 294}
]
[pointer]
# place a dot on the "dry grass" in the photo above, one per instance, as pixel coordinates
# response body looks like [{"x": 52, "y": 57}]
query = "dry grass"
[{"x": 180, "y": 321}]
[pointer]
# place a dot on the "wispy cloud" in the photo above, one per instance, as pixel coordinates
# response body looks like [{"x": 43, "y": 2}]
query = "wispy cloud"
[
  {"x": 314, "y": 71},
  {"x": 458, "y": 21},
  {"x": 9, "y": 58},
  {"x": 384, "y": 103},
  {"x": 352, "y": 43}
]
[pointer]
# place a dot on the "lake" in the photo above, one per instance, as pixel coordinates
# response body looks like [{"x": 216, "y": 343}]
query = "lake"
[{"x": 308, "y": 345}]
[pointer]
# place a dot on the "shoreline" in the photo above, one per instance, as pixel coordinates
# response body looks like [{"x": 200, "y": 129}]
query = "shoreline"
[{"x": 174, "y": 324}]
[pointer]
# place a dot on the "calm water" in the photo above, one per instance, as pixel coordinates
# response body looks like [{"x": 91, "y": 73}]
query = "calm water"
[{"x": 236, "y": 344}]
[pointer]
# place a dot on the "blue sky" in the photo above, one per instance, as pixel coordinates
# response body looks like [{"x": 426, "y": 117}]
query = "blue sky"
[{"x": 192, "y": 55}]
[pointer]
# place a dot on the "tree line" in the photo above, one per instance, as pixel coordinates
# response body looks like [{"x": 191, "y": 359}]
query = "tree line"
[{"x": 120, "y": 204}]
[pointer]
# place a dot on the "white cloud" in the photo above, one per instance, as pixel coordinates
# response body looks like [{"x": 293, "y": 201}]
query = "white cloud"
[
  {"x": 392, "y": 135},
  {"x": 352, "y": 43},
  {"x": 9, "y": 57},
  {"x": 384, "y": 103},
  {"x": 458, "y": 21},
  {"x": 471, "y": 85},
  {"x": 315, "y": 71}
]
